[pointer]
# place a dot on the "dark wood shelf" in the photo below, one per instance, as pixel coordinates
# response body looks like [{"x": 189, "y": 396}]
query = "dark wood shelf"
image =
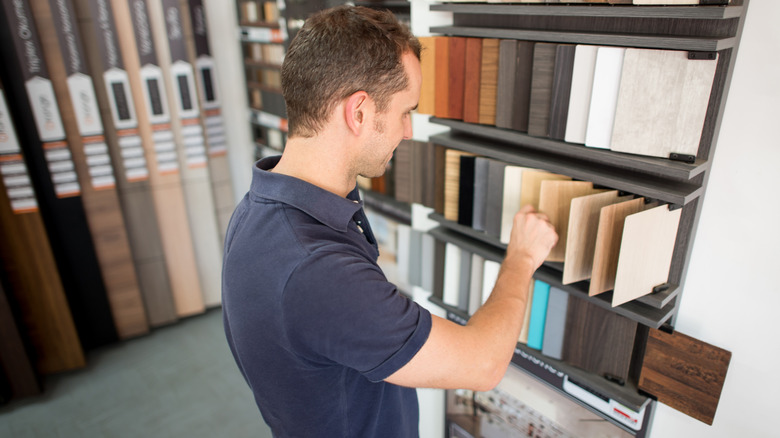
[
  {"x": 551, "y": 274},
  {"x": 652, "y": 165},
  {"x": 626, "y": 394},
  {"x": 707, "y": 12},
  {"x": 599, "y": 173},
  {"x": 706, "y": 44}
]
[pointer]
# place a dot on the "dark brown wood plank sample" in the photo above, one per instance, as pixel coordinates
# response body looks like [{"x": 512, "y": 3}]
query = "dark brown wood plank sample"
[
  {"x": 81, "y": 117},
  {"x": 521, "y": 100},
  {"x": 452, "y": 183},
  {"x": 684, "y": 373},
  {"x": 402, "y": 170},
  {"x": 598, "y": 340},
  {"x": 488, "y": 82},
  {"x": 457, "y": 76},
  {"x": 561, "y": 90},
  {"x": 149, "y": 97},
  {"x": 120, "y": 122},
  {"x": 442, "y": 81},
  {"x": 195, "y": 24},
  {"x": 41, "y": 134},
  {"x": 427, "y": 103},
  {"x": 507, "y": 66},
  {"x": 472, "y": 80},
  {"x": 15, "y": 359},
  {"x": 541, "y": 89},
  {"x": 29, "y": 267}
]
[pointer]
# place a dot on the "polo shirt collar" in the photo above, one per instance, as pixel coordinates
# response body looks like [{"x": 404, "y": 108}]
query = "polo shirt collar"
[{"x": 324, "y": 206}]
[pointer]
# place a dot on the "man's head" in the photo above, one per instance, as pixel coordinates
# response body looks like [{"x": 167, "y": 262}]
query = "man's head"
[{"x": 338, "y": 52}]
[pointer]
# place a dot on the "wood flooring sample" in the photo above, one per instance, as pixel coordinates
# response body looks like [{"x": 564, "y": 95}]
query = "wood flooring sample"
[
  {"x": 510, "y": 203},
  {"x": 581, "y": 236},
  {"x": 603, "y": 98},
  {"x": 541, "y": 89},
  {"x": 561, "y": 90},
  {"x": 555, "y": 201},
  {"x": 442, "y": 93},
  {"x": 645, "y": 252},
  {"x": 608, "y": 238},
  {"x": 428, "y": 66},
  {"x": 532, "y": 185},
  {"x": 457, "y": 76},
  {"x": 507, "y": 66},
  {"x": 489, "y": 82},
  {"x": 662, "y": 102},
  {"x": 684, "y": 373},
  {"x": 579, "y": 97},
  {"x": 452, "y": 183},
  {"x": 598, "y": 340},
  {"x": 472, "y": 80}
]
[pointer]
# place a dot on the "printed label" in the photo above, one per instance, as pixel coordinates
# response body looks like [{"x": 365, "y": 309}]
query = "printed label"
[{"x": 14, "y": 172}]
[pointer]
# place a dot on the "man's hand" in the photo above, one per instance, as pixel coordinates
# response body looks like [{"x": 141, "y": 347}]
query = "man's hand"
[{"x": 532, "y": 237}]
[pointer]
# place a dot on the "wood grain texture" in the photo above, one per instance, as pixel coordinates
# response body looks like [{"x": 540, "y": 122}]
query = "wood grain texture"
[
  {"x": 555, "y": 200},
  {"x": 164, "y": 175},
  {"x": 15, "y": 362},
  {"x": 442, "y": 81},
  {"x": 99, "y": 196},
  {"x": 684, "y": 373},
  {"x": 604, "y": 94},
  {"x": 457, "y": 77},
  {"x": 440, "y": 182},
  {"x": 427, "y": 102},
  {"x": 452, "y": 183},
  {"x": 561, "y": 90},
  {"x": 532, "y": 185},
  {"x": 488, "y": 82},
  {"x": 495, "y": 196},
  {"x": 597, "y": 340},
  {"x": 521, "y": 101},
  {"x": 645, "y": 252},
  {"x": 607, "y": 248},
  {"x": 579, "y": 98},
  {"x": 473, "y": 80},
  {"x": 190, "y": 144},
  {"x": 662, "y": 102},
  {"x": 128, "y": 158},
  {"x": 581, "y": 236},
  {"x": 541, "y": 89},
  {"x": 507, "y": 66}
]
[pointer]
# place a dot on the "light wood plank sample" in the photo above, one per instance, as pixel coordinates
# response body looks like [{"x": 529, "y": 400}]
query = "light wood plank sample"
[
  {"x": 488, "y": 82},
  {"x": 532, "y": 185},
  {"x": 80, "y": 116},
  {"x": 510, "y": 204},
  {"x": 645, "y": 252},
  {"x": 662, "y": 102},
  {"x": 579, "y": 98},
  {"x": 555, "y": 201},
  {"x": 128, "y": 158},
  {"x": 684, "y": 373},
  {"x": 428, "y": 66},
  {"x": 158, "y": 141},
  {"x": 608, "y": 237},
  {"x": 473, "y": 80},
  {"x": 598, "y": 340},
  {"x": 442, "y": 93},
  {"x": 541, "y": 89},
  {"x": 452, "y": 183},
  {"x": 603, "y": 98},
  {"x": 581, "y": 236}
]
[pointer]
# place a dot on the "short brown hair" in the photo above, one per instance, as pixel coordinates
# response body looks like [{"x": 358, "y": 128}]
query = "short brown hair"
[{"x": 338, "y": 52}]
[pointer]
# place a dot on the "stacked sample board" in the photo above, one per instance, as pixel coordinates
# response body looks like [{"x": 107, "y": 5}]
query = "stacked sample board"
[{"x": 115, "y": 185}]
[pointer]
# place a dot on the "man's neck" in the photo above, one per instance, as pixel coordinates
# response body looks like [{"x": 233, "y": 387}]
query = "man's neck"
[{"x": 319, "y": 161}]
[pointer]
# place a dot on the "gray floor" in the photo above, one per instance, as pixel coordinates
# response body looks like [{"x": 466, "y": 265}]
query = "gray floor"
[{"x": 178, "y": 381}]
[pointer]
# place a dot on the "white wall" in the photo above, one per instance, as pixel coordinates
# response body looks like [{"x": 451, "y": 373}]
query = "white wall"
[{"x": 731, "y": 298}]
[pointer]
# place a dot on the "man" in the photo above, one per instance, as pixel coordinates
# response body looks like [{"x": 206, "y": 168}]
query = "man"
[{"x": 328, "y": 346}]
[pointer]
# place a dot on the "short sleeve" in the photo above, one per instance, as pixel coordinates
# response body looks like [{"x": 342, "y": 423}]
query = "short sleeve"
[{"x": 340, "y": 308}]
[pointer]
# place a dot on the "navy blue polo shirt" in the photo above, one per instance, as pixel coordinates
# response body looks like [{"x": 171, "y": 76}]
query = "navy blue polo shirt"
[{"x": 311, "y": 320}]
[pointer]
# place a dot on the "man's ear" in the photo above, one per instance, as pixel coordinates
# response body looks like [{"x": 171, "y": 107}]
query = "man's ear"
[{"x": 356, "y": 111}]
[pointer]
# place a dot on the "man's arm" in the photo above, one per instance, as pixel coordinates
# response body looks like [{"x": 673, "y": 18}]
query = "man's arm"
[{"x": 475, "y": 356}]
